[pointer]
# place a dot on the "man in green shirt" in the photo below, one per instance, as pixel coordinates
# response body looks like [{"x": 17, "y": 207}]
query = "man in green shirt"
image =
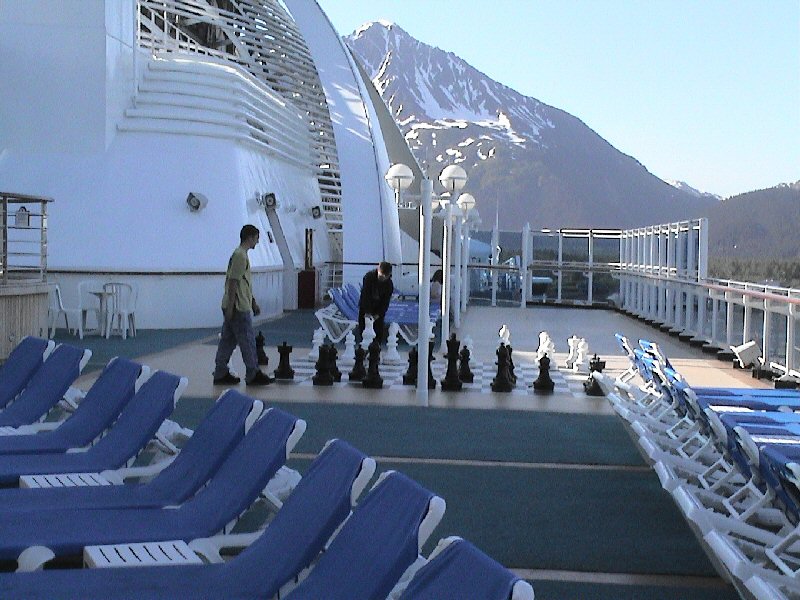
[{"x": 238, "y": 308}]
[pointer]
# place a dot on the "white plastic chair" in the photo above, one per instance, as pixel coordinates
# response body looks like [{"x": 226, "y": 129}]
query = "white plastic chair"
[
  {"x": 120, "y": 307},
  {"x": 57, "y": 308},
  {"x": 89, "y": 303}
]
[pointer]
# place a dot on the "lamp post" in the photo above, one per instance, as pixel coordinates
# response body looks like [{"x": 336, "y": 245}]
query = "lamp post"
[
  {"x": 466, "y": 202},
  {"x": 453, "y": 178},
  {"x": 473, "y": 221},
  {"x": 400, "y": 177}
]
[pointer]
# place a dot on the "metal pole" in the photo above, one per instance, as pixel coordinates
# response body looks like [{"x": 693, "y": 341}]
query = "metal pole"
[
  {"x": 465, "y": 267},
  {"x": 448, "y": 234},
  {"x": 526, "y": 259},
  {"x": 424, "y": 274},
  {"x": 455, "y": 302}
]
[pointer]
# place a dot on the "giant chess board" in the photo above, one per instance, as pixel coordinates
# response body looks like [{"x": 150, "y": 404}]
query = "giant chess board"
[{"x": 565, "y": 380}]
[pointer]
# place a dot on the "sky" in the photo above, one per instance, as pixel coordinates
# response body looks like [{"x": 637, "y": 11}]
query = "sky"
[{"x": 701, "y": 91}]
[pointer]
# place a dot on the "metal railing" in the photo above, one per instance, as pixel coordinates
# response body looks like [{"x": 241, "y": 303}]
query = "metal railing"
[{"x": 23, "y": 238}]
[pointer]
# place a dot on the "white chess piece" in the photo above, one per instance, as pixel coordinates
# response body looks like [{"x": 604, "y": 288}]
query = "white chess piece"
[
  {"x": 469, "y": 343},
  {"x": 505, "y": 335},
  {"x": 572, "y": 342},
  {"x": 581, "y": 364},
  {"x": 369, "y": 332},
  {"x": 392, "y": 356},
  {"x": 544, "y": 345},
  {"x": 349, "y": 358},
  {"x": 316, "y": 341}
]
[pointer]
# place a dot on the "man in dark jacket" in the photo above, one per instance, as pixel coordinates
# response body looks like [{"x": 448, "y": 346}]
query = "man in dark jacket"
[{"x": 376, "y": 292}]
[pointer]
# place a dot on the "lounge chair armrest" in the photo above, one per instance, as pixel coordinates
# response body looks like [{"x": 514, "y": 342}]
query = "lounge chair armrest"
[
  {"x": 118, "y": 476},
  {"x": 38, "y": 427},
  {"x": 34, "y": 559},
  {"x": 210, "y": 548}
]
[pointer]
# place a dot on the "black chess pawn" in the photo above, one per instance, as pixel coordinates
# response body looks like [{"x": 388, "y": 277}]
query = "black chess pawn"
[
  {"x": 502, "y": 381},
  {"x": 323, "y": 375},
  {"x": 358, "y": 371},
  {"x": 410, "y": 376},
  {"x": 284, "y": 370},
  {"x": 262, "y": 357},
  {"x": 333, "y": 354},
  {"x": 373, "y": 380},
  {"x": 464, "y": 372},
  {"x": 544, "y": 383},
  {"x": 590, "y": 386},
  {"x": 451, "y": 381},
  {"x": 511, "y": 374},
  {"x": 431, "y": 380}
]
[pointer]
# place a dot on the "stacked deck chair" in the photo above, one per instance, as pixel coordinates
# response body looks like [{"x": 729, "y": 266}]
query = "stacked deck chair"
[
  {"x": 377, "y": 544},
  {"x": 730, "y": 459},
  {"x": 233, "y": 488},
  {"x": 220, "y": 431},
  {"x": 24, "y": 360},
  {"x": 100, "y": 407},
  {"x": 137, "y": 424},
  {"x": 46, "y": 387},
  {"x": 293, "y": 539},
  {"x": 456, "y": 569}
]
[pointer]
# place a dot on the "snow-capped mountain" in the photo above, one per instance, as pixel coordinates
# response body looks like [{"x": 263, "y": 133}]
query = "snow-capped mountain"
[
  {"x": 685, "y": 187},
  {"x": 541, "y": 164}
]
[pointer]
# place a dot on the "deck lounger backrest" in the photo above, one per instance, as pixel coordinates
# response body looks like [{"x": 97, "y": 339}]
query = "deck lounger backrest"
[
  {"x": 102, "y": 404},
  {"x": 316, "y": 507},
  {"x": 302, "y": 526},
  {"x": 344, "y": 307},
  {"x": 218, "y": 433},
  {"x": 460, "y": 570},
  {"x": 20, "y": 366},
  {"x": 247, "y": 470},
  {"x": 46, "y": 388},
  {"x": 377, "y": 544}
]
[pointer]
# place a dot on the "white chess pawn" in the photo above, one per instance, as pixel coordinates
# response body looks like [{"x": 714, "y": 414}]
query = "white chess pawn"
[
  {"x": 469, "y": 343},
  {"x": 349, "y": 358},
  {"x": 392, "y": 356},
  {"x": 369, "y": 332},
  {"x": 581, "y": 364},
  {"x": 316, "y": 341},
  {"x": 572, "y": 342},
  {"x": 544, "y": 339}
]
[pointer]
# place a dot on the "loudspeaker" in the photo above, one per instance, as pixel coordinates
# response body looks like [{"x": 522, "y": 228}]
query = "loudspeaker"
[
  {"x": 196, "y": 201},
  {"x": 269, "y": 200},
  {"x": 316, "y": 212}
]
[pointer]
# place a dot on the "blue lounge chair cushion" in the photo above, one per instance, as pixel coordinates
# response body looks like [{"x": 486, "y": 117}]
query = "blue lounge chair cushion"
[
  {"x": 213, "y": 440},
  {"x": 137, "y": 424},
  {"x": 375, "y": 546},
  {"x": 461, "y": 571},
  {"x": 19, "y": 367},
  {"x": 232, "y": 489},
  {"x": 298, "y": 532},
  {"x": 47, "y": 386},
  {"x": 100, "y": 407}
]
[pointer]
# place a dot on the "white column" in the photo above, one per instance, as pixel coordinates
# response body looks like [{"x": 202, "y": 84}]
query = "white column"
[
  {"x": 455, "y": 302},
  {"x": 590, "y": 295},
  {"x": 790, "y": 325},
  {"x": 526, "y": 259},
  {"x": 446, "y": 251},
  {"x": 465, "y": 267},
  {"x": 424, "y": 282},
  {"x": 765, "y": 333},
  {"x": 560, "y": 262}
]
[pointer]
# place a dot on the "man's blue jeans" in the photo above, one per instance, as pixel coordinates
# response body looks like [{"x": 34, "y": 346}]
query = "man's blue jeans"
[{"x": 237, "y": 331}]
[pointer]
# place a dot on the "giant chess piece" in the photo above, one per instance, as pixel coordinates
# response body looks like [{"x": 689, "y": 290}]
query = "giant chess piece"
[
  {"x": 544, "y": 383},
  {"x": 502, "y": 381},
  {"x": 358, "y": 372},
  {"x": 284, "y": 370},
  {"x": 410, "y": 376},
  {"x": 431, "y": 380},
  {"x": 504, "y": 334},
  {"x": 392, "y": 356},
  {"x": 511, "y": 374},
  {"x": 581, "y": 364},
  {"x": 316, "y": 343},
  {"x": 323, "y": 375},
  {"x": 369, "y": 332},
  {"x": 451, "y": 381},
  {"x": 333, "y": 354},
  {"x": 546, "y": 346},
  {"x": 348, "y": 356},
  {"x": 262, "y": 357},
  {"x": 464, "y": 372},
  {"x": 373, "y": 380},
  {"x": 590, "y": 386},
  {"x": 572, "y": 342}
]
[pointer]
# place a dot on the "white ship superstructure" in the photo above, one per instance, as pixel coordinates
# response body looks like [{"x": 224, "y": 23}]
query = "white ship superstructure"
[{"x": 160, "y": 128}]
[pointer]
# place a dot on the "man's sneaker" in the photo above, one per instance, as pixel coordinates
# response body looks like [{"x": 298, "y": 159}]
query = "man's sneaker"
[
  {"x": 260, "y": 378},
  {"x": 227, "y": 379}
]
